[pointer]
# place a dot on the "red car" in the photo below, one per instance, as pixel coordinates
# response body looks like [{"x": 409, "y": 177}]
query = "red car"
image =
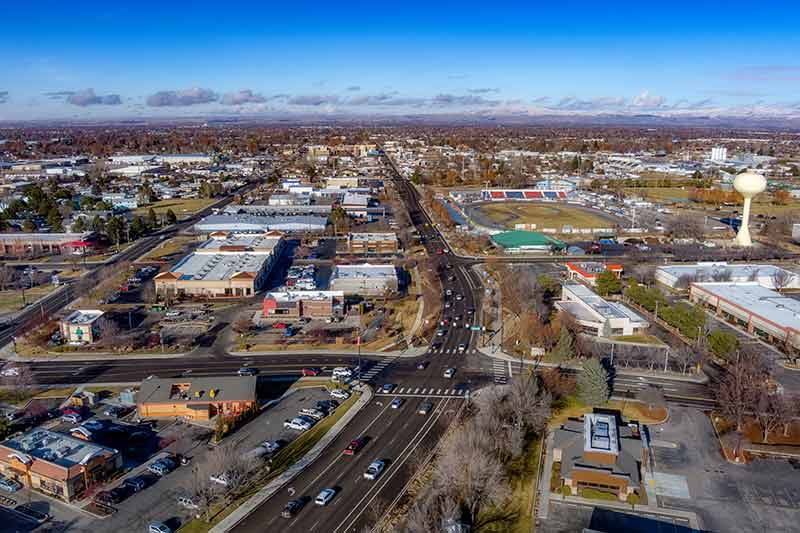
[
  {"x": 310, "y": 371},
  {"x": 279, "y": 325},
  {"x": 354, "y": 446}
]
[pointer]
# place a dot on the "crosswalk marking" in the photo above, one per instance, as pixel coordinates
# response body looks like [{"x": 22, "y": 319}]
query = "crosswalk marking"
[
  {"x": 426, "y": 393},
  {"x": 416, "y": 390},
  {"x": 438, "y": 391}
]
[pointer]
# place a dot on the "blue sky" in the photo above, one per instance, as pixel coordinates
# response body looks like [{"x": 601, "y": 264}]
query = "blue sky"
[{"x": 103, "y": 59}]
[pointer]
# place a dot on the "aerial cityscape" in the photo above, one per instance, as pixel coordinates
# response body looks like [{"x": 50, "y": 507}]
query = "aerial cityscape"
[{"x": 419, "y": 268}]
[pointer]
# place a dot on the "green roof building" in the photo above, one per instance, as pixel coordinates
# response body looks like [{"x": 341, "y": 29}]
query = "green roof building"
[{"x": 527, "y": 241}]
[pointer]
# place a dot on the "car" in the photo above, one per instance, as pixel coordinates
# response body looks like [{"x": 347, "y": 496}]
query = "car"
[
  {"x": 387, "y": 388},
  {"x": 158, "y": 527},
  {"x": 354, "y": 446},
  {"x": 106, "y": 497},
  {"x": 161, "y": 467},
  {"x": 297, "y": 424},
  {"x": 448, "y": 292},
  {"x": 71, "y": 417},
  {"x": 422, "y": 365},
  {"x": 448, "y": 305},
  {"x": 221, "y": 479},
  {"x": 310, "y": 371},
  {"x": 324, "y": 497},
  {"x": 327, "y": 405},
  {"x": 292, "y": 508},
  {"x": 10, "y": 372},
  {"x": 462, "y": 347},
  {"x": 135, "y": 484},
  {"x": 425, "y": 407},
  {"x": 459, "y": 297},
  {"x": 396, "y": 403},
  {"x": 449, "y": 373},
  {"x": 10, "y": 485},
  {"x": 316, "y": 414},
  {"x": 342, "y": 371},
  {"x": 374, "y": 470},
  {"x": 172, "y": 314},
  {"x": 116, "y": 411},
  {"x": 340, "y": 394},
  {"x": 436, "y": 345},
  {"x": 247, "y": 371},
  {"x": 187, "y": 503},
  {"x": 441, "y": 332},
  {"x": 271, "y": 446},
  {"x": 279, "y": 325},
  {"x": 93, "y": 425}
]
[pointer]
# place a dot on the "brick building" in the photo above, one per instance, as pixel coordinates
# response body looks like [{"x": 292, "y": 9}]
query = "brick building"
[
  {"x": 199, "y": 398},
  {"x": 296, "y": 304}
]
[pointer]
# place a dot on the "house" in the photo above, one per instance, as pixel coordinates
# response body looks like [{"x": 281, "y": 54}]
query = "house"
[
  {"x": 228, "y": 265},
  {"x": 600, "y": 453},
  {"x": 372, "y": 243},
  {"x": 36, "y": 244},
  {"x": 597, "y": 316},
  {"x": 365, "y": 279},
  {"x": 200, "y": 398},
  {"x": 55, "y": 464},
  {"x": 81, "y": 326},
  {"x": 587, "y": 271},
  {"x": 296, "y": 304}
]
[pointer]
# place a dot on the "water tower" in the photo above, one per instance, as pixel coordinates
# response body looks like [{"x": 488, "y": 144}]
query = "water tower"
[{"x": 748, "y": 184}]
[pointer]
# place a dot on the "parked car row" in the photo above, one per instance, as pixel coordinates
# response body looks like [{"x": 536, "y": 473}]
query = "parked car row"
[{"x": 302, "y": 277}]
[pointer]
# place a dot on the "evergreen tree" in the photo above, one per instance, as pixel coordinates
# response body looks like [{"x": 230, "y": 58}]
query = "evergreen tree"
[
  {"x": 152, "y": 219},
  {"x": 79, "y": 226},
  {"x": 593, "y": 383},
  {"x": 29, "y": 226},
  {"x": 55, "y": 221},
  {"x": 565, "y": 348},
  {"x": 98, "y": 225},
  {"x": 608, "y": 283},
  {"x": 138, "y": 228}
]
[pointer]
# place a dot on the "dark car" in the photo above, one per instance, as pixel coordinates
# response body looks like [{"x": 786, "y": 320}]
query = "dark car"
[
  {"x": 422, "y": 365},
  {"x": 247, "y": 371},
  {"x": 354, "y": 446},
  {"x": 111, "y": 497},
  {"x": 135, "y": 483},
  {"x": 292, "y": 508}
]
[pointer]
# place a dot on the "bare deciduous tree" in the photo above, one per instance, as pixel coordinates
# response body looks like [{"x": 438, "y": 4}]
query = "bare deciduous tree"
[
  {"x": 738, "y": 391},
  {"x": 781, "y": 279}
]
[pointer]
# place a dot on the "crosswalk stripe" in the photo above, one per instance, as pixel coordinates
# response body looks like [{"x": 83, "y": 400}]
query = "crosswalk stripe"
[
  {"x": 438, "y": 391},
  {"x": 416, "y": 390},
  {"x": 400, "y": 391}
]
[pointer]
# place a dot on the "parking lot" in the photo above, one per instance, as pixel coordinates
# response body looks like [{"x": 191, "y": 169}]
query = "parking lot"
[
  {"x": 158, "y": 500},
  {"x": 761, "y": 496}
]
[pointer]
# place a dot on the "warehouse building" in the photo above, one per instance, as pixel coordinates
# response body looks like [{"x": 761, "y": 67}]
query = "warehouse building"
[
  {"x": 520, "y": 241},
  {"x": 36, "y": 244},
  {"x": 228, "y": 265},
  {"x": 372, "y": 243},
  {"x": 56, "y": 464},
  {"x": 597, "y": 316},
  {"x": 297, "y": 304},
  {"x": 365, "y": 279},
  {"x": 773, "y": 317},
  {"x": 200, "y": 398},
  {"x": 258, "y": 223},
  {"x": 680, "y": 276}
]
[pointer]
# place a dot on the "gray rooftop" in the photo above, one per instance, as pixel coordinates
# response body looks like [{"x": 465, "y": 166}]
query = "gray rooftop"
[
  {"x": 226, "y": 389},
  {"x": 754, "y": 298},
  {"x": 56, "y": 448},
  {"x": 364, "y": 271},
  {"x": 218, "y": 266}
]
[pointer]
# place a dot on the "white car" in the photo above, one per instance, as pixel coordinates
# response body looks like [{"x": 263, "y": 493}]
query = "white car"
[
  {"x": 10, "y": 372},
  {"x": 325, "y": 496},
  {"x": 340, "y": 394},
  {"x": 316, "y": 414},
  {"x": 297, "y": 424},
  {"x": 342, "y": 371},
  {"x": 9, "y": 485},
  {"x": 172, "y": 314},
  {"x": 450, "y": 372},
  {"x": 374, "y": 470},
  {"x": 158, "y": 527},
  {"x": 73, "y": 418},
  {"x": 221, "y": 479}
]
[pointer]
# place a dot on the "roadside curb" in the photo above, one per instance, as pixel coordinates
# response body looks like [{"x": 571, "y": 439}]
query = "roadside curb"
[
  {"x": 244, "y": 510},
  {"x": 414, "y": 352},
  {"x": 84, "y": 356}
]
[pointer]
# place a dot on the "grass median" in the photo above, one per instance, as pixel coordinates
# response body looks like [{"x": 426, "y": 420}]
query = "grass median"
[{"x": 282, "y": 460}]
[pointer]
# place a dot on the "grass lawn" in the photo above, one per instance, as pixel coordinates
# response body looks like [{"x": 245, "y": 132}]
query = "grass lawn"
[
  {"x": 641, "y": 339},
  {"x": 57, "y": 392},
  {"x": 572, "y": 408},
  {"x": 11, "y": 301},
  {"x": 516, "y": 516},
  {"x": 169, "y": 247},
  {"x": 544, "y": 216},
  {"x": 182, "y": 207},
  {"x": 282, "y": 460},
  {"x": 661, "y": 194}
]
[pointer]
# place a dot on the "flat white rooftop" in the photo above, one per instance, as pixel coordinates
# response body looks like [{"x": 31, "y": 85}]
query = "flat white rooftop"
[
  {"x": 364, "y": 271},
  {"x": 218, "y": 267},
  {"x": 753, "y": 298},
  {"x": 83, "y": 316},
  {"x": 293, "y": 296},
  {"x": 53, "y": 447},
  {"x": 599, "y": 305},
  {"x": 738, "y": 273},
  {"x": 234, "y": 243},
  {"x": 376, "y": 236}
]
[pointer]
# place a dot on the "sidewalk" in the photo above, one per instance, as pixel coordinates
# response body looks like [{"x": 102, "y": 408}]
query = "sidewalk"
[
  {"x": 244, "y": 510},
  {"x": 9, "y": 355},
  {"x": 620, "y": 371},
  {"x": 413, "y": 352}
]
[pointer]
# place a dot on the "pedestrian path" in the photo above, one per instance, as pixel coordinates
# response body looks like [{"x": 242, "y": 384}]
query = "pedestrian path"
[
  {"x": 377, "y": 368},
  {"x": 500, "y": 370},
  {"x": 426, "y": 392},
  {"x": 451, "y": 351}
]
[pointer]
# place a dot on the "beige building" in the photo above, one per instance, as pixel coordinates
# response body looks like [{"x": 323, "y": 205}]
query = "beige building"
[
  {"x": 56, "y": 464},
  {"x": 228, "y": 265},
  {"x": 81, "y": 326},
  {"x": 200, "y": 398},
  {"x": 372, "y": 243}
]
